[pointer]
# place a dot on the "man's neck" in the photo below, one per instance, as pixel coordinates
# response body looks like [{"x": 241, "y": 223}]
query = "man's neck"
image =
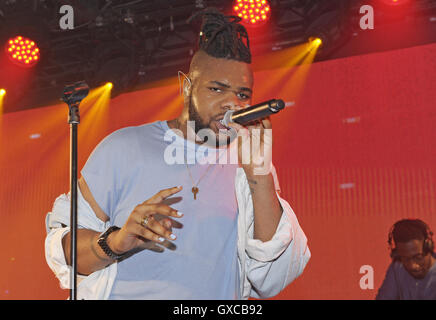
[{"x": 180, "y": 127}]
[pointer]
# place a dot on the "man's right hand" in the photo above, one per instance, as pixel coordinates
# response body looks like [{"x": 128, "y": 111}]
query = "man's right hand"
[{"x": 134, "y": 232}]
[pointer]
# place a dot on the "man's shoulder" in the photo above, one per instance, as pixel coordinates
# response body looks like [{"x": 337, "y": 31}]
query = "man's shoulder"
[
  {"x": 125, "y": 143},
  {"x": 129, "y": 139},
  {"x": 432, "y": 270},
  {"x": 131, "y": 133}
]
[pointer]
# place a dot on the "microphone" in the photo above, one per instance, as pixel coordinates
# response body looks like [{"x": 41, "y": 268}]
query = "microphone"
[{"x": 252, "y": 113}]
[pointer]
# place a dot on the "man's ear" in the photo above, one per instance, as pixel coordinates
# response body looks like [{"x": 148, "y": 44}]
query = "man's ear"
[{"x": 186, "y": 87}]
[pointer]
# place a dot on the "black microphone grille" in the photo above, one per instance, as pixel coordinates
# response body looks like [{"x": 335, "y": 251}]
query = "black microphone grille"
[{"x": 277, "y": 105}]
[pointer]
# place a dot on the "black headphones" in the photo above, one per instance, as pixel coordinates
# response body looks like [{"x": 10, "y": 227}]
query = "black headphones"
[{"x": 428, "y": 246}]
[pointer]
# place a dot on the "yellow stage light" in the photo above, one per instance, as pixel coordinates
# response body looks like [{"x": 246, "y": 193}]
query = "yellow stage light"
[
  {"x": 109, "y": 85},
  {"x": 2, "y": 94},
  {"x": 316, "y": 41}
]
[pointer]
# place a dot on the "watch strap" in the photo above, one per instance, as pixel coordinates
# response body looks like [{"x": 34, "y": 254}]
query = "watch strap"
[{"x": 102, "y": 242}]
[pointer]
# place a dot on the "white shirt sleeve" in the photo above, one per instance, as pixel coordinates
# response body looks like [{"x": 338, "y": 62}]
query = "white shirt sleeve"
[
  {"x": 268, "y": 267},
  {"x": 94, "y": 286}
]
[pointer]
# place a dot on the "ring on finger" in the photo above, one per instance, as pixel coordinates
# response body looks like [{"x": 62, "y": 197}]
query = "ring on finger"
[{"x": 146, "y": 220}]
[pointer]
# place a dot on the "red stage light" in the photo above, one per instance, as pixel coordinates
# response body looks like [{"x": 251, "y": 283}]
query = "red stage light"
[
  {"x": 395, "y": 2},
  {"x": 252, "y": 12},
  {"x": 22, "y": 51}
]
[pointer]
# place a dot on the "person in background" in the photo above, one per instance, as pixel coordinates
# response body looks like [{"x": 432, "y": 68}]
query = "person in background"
[{"x": 412, "y": 273}]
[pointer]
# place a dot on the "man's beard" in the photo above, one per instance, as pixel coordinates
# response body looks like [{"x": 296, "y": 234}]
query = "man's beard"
[
  {"x": 199, "y": 124},
  {"x": 194, "y": 116}
]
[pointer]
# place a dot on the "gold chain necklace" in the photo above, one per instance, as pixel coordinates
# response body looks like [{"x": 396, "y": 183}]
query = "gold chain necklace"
[{"x": 195, "y": 188}]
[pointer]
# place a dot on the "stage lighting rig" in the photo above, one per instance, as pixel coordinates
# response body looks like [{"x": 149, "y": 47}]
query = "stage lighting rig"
[
  {"x": 328, "y": 26},
  {"x": 148, "y": 40},
  {"x": 115, "y": 63}
]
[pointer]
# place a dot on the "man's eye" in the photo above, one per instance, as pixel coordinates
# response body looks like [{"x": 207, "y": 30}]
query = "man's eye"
[
  {"x": 215, "y": 89},
  {"x": 243, "y": 96}
]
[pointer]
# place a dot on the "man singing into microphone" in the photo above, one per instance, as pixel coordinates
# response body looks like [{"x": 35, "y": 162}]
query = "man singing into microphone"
[{"x": 213, "y": 231}]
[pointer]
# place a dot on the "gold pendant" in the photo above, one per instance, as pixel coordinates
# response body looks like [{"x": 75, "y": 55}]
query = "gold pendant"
[{"x": 195, "y": 191}]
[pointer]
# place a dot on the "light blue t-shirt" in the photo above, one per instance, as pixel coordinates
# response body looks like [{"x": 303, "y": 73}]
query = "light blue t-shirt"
[{"x": 127, "y": 168}]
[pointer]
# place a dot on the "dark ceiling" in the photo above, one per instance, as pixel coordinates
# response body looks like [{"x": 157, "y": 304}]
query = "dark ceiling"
[{"x": 134, "y": 43}]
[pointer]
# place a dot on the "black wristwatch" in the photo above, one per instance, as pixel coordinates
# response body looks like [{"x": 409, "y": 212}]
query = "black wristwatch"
[{"x": 104, "y": 246}]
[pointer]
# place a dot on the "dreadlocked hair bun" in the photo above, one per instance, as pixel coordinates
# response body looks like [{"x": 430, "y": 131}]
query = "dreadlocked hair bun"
[{"x": 222, "y": 36}]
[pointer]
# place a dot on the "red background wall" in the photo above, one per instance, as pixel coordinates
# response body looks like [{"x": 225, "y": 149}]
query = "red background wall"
[{"x": 354, "y": 154}]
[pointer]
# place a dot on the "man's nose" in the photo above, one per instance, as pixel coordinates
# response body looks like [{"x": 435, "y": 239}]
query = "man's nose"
[{"x": 233, "y": 103}]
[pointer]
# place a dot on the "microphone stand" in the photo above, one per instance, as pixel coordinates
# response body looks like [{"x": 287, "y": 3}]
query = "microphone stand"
[{"x": 73, "y": 95}]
